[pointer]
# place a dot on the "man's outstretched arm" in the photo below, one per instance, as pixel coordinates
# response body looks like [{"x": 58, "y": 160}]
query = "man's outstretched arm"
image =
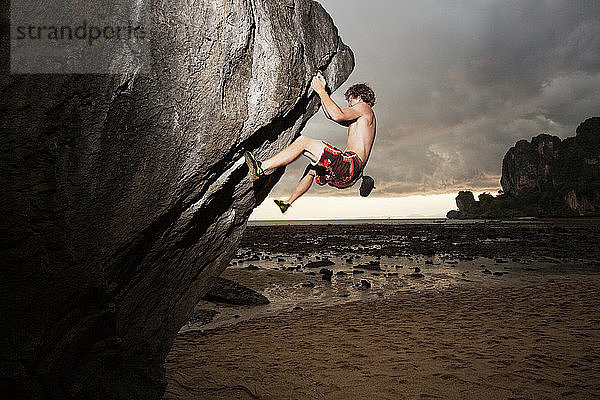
[{"x": 331, "y": 109}]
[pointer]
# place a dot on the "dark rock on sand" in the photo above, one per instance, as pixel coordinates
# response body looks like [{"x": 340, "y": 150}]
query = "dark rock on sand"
[
  {"x": 486, "y": 271},
  {"x": 365, "y": 284},
  {"x": 327, "y": 274},
  {"x": 251, "y": 267},
  {"x": 123, "y": 198},
  {"x": 371, "y": 266},
  {"x": 319, "y": 264},
  {"x": 230, "y": 292}
]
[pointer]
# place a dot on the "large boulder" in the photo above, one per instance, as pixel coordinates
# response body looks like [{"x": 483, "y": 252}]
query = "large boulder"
[{"x": 124, "y": 195}]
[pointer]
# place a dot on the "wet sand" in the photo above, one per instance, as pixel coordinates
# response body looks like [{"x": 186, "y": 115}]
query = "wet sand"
[{"x": 458, "y": 332}]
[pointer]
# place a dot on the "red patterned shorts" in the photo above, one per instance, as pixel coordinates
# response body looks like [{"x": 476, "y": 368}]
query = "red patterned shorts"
[{"x": 336, "y": 167}]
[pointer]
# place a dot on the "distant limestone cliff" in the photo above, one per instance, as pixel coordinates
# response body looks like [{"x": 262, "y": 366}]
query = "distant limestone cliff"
[{"x": 546, "y": 177}]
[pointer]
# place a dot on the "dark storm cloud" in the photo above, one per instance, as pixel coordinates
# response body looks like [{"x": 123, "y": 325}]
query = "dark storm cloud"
[{"x": 459, "y": 82}]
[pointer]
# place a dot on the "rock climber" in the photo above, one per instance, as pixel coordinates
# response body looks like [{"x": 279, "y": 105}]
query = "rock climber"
[{"x": 329, "y": 165}]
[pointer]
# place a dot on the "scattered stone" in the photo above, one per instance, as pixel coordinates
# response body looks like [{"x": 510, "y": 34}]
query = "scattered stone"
[
  {"x": 500, "y": 261},
  {"x": 319, "y": 264},
  {"x": 251, "y": 267},
  {"x": 298, "y": 308},
  {"x": 372, "y": 266},
  {"x": 357, "y": 271},
  {"x": 417, "y": 270},
  {"x": 365, "y": 284},
  {"x": 498, "y": 273},
  {"x": 310, "y": 273},
  {"x": 487, "y": 271},
  {"x": 429, "y": 262},
  {"x": 308, "y": 284},
  {"x": 327, "y": 274},
  {"x": 341, "y": 273}
]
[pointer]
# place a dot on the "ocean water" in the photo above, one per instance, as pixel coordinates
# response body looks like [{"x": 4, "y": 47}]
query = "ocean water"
[
  {"x": 386, "y": 221},
  {"x": 583, "y": 221}
]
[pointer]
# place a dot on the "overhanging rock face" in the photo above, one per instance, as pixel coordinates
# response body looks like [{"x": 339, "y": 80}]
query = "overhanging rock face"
[{"x": 125, "y": 196}]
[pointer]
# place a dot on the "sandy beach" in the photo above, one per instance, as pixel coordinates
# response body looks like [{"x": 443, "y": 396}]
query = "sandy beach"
[{"x": 489, "y": 317}]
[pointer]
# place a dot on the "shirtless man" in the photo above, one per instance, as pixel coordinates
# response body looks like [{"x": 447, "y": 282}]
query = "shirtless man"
[{"x": 329, "y": 164}]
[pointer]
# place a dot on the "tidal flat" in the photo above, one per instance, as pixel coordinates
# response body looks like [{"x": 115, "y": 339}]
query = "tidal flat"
[{"x": 494, "y": 309}]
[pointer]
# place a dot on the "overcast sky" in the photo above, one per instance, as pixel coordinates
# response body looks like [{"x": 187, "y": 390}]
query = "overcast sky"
[{"x": 458, "y": 83}]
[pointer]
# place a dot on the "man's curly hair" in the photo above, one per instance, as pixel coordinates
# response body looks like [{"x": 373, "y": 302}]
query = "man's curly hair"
[{"x": 363, "y": 91}]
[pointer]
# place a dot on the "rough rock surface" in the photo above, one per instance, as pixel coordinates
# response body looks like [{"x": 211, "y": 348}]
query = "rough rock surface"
[
  {"x": 544, "y": 177},
  {"x": 124, "y": 196}
]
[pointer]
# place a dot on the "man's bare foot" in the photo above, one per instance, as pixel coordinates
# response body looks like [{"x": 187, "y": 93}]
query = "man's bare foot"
[
  {"x": 255, "y": 170},
  {"x": 283, "y": 206}
]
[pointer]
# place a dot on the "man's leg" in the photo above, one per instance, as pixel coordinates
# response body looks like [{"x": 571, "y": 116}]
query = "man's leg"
[
  {"x": 302, "y": 186},
  {"x": 311, "y": 148}
]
